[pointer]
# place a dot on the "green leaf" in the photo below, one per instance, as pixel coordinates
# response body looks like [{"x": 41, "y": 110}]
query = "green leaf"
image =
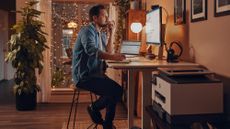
[
  {"x": 31, "y": 3},
  {"x": 26, "y": 45}
]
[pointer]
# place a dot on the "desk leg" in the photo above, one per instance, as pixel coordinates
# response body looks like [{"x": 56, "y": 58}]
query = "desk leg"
[
  {"x": 146, "y": 98},
  {"x": 131, "y": 98}
]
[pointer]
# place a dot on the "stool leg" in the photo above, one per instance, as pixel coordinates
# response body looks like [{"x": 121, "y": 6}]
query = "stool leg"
[
  {"x": 95, "y": 96},
  {"x": 71, "y": 108},
  {"x": 90, "y": 126},
  {"x": 91, "y": 96},
  {"x": 75, "y": 111},
  {"x": 95, "y": 127}
]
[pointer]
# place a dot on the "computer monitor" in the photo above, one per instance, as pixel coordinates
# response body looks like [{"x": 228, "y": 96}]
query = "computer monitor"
[{"x": 153, "y": 26}]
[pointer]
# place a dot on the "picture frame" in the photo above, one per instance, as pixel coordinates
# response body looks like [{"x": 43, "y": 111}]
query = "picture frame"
[
  {"x": 198, "y": 10},
  {"x": 221, "y": 8},
  {"x": 179, "y": 12}
]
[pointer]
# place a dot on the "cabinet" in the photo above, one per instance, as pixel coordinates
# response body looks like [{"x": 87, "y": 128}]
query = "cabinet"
[{"x": 159, "y": 123}]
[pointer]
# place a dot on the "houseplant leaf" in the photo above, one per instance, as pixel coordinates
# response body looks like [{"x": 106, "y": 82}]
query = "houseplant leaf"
[{"x": 26, "y": 46}]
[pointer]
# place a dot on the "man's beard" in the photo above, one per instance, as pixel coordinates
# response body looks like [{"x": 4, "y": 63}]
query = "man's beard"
[{"x": 103, "y": 25}]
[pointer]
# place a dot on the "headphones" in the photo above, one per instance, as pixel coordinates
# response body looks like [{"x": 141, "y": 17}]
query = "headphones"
[{"x": 171, "y": 55}]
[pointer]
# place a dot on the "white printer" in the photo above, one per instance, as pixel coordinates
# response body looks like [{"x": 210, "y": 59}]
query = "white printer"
[{"x": 187, "y": 91}]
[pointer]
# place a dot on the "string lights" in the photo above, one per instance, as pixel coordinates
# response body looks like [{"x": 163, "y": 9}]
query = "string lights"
[
  {"x": 66, "y": 15},
  {"x": 122, "y": 6}
]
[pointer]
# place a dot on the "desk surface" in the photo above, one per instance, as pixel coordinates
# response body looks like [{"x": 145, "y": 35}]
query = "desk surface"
[{"x": 141, "y": 62}]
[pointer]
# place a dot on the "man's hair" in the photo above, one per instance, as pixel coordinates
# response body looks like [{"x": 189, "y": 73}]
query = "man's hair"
[{"x": 95, "y": 11}]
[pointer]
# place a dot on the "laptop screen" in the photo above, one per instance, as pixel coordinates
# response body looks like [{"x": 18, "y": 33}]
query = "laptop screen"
[{"x": 130, "y": 47}]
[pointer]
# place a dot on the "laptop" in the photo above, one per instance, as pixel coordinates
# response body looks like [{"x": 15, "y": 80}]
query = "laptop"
[{"x": 130, "y": 48}]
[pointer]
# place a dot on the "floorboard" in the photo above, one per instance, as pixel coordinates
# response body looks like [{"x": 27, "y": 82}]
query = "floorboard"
[{"x": 46, "y": 115}]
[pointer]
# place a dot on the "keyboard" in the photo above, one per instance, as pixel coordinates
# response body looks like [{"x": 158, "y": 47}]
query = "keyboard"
[
  {"x": 131, "y": 56},
  {"x": 123, "y": 61}
]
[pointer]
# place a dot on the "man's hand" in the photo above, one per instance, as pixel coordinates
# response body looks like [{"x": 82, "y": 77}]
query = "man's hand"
[
  {"x": 118, "y": 57},
  {"x": 111, "y": 26}
]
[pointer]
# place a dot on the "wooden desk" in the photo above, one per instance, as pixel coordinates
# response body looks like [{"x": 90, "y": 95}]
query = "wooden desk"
[{"x": 140, "y": 64}]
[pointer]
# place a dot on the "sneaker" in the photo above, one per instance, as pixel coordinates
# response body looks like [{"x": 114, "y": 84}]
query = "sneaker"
[{"x": 95, "y": 115}]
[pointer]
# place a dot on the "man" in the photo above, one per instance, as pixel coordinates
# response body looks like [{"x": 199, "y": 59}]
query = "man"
[{"x": 90, "y": 51}]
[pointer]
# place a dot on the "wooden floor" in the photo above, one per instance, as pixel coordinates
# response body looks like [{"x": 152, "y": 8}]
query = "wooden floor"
[
  {"x": 46, "y": 116},
  {"x": 49, "y": 116}
]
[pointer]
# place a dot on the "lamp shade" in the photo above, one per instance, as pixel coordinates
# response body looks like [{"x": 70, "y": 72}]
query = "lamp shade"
[{"x": 136, "y": 27}]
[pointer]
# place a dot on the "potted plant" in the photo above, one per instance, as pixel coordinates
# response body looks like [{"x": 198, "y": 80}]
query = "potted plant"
[{"x": 25, "y": 53}]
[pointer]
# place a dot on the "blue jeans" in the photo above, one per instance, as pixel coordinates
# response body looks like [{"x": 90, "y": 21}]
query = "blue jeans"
[{"x": 109, "y": 91}]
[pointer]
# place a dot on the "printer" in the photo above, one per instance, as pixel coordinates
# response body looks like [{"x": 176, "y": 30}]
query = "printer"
[{"x": 186, "y": 93}]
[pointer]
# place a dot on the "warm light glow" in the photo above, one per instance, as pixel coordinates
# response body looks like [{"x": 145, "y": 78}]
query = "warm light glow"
[
  {"x": 72, "y": 24},
  {"x": 67, "y": 32},
  {"x": 136, "y": 27}
]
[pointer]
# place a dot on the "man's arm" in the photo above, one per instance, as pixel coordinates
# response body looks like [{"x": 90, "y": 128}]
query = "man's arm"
[
  {"x": 109, "y": 56},
  {"x": 109, "y": 44},
  {"x": 88, "y": 42},
  {"x": 110, "y": 33}
]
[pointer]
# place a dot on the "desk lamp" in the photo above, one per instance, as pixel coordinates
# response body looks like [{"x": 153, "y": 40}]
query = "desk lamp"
[{"x": 136, "y": 27}]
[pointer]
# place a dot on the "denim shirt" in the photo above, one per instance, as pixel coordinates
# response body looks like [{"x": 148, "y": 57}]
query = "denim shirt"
[{"x": 85, "y": 60}]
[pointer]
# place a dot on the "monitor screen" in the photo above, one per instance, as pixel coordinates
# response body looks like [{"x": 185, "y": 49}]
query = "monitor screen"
[{"x": 153, "y": 26}]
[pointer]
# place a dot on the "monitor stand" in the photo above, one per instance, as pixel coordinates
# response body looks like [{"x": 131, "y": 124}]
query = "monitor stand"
[
  {"x": 160, "y": 52},
  {"x": 161, "y": 47}
]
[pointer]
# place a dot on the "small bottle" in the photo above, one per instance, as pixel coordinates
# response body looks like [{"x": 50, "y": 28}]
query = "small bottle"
[{"x": 134, "y": 4}]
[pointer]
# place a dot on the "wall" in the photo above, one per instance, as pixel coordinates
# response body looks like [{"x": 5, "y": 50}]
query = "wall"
[
  {"x": 44, "y": 79},
  {"x": 210, "y": 40},
  {"x": 7, "y": 20},
  {"x": 3, "y": 40},
  {"x": 205, "y": 42}
]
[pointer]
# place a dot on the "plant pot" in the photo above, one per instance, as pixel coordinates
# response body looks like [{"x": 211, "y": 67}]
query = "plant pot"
[{"x": 26, "y": 101}]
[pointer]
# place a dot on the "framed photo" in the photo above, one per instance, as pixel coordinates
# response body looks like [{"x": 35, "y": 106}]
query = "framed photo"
[
  {"x": 198, "y": 10},
  {"x": 179, "y": 12},
  {"x": 222, "y": 7}
]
